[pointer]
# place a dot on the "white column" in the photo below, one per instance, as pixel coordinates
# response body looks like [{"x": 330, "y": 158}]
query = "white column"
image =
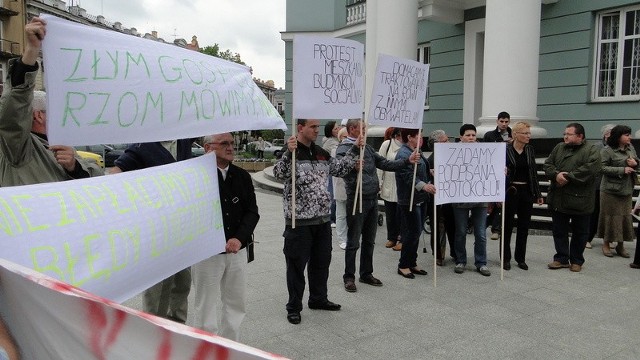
[
  {"x": 392, "y": 29},
  {"x": 511, "y": 61}
]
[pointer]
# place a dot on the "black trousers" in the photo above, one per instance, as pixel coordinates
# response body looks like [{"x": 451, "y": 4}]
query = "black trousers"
[
  {"x": 520, "y": 203},
  {"x": 310, "y": 244}
]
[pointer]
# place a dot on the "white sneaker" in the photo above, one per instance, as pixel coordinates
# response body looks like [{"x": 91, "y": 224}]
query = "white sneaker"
[{"x": 343, "y": 245}]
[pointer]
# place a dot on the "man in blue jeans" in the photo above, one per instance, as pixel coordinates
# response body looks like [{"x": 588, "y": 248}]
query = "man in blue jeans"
[
  {"x": 364, "y": 223},
  {"x": 571, "y": 167}
]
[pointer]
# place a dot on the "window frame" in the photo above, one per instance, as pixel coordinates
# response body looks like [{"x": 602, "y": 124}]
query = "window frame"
[
  {"x": 620, "y": 41},
  {"x": 420, "y": 57}
]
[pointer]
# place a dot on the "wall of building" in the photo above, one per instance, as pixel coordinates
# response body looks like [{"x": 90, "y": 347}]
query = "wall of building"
[{"x": 567, "y": 46}]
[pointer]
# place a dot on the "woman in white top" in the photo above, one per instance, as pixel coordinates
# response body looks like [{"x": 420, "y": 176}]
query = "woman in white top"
[{"x": 389, "y": 149}]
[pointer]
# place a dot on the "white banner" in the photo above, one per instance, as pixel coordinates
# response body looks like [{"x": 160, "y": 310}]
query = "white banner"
[
  {"x": 328, "y": 78},
  {"x": 115, "y": 235},
  {"x": 54, "y": 321},
  {"x": 108, "y": 87},
  {"x": 399, "y": 91},
  {"x": 469, "y": 172}
]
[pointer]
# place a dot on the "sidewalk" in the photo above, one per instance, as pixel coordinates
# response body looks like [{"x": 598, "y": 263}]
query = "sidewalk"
[{"x": 535, "y": 314}]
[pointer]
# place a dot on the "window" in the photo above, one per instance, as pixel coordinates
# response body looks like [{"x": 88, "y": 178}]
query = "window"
[
  {"x": 424, "y": 56},
  {"x": 617, "y": 65}
]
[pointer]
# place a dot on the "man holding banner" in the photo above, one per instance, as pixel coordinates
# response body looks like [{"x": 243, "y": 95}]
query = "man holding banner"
[
  {"x": 364, "y": 223},
  {"x": 26, "y": 158},
  {"x": 310, "y": 240},
  {"x": 222, "y": 278},
  {"x": 168, "y": 298}
]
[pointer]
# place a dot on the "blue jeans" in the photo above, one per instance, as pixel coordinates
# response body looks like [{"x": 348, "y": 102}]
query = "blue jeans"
[
  {"x": 411, "y": 229},
  {"x": 365, "y": 224},
  {"x": 479, "y": 219},
  {"x": 570, "y": 252}
]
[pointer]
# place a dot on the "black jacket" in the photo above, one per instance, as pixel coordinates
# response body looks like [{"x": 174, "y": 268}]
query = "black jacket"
[
  {"x": 495, "y": 136},
  {"x": 238, "y": 201},
  {"x": 145, "y": 155}
]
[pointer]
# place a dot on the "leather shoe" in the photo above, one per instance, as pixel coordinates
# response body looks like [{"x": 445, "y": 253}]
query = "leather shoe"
[
  {"x": 325, "y": 306},
  {"x": 507, "y": 266},
  {"x": 523, "y": 265},
  {"x": 606, "y": 251},
  {"x": 440, "y": 262},
  {"x": 417, "y": 271},
  {"x": 575, "y": 267},
  {"x": 371, "y": 280},
  {"x": 554, "y": 265},
  {"x": 397, "y": 247},
  {"x": 390, "y": 244},
  {"x": 408, "y": 275},
  {"x": 350, "y": 286},
  {"x": 294, "y": 318},
  {"x": 634, "y": 266}
]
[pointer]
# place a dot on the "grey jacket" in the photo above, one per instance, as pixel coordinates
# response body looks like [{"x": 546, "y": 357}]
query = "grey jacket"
[
  {"x": 614, "y": 180},
  {"x": 372, "y": 160},
  {"x": 24, "y": 157}
]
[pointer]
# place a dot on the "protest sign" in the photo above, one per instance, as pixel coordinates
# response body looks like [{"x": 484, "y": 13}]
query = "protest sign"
[
  {"x": 399, "y": 89},
  {"x": 328, "y": 78},
  {"x": 108, "y": 87},
  {"x": 115, "y": 235},
  {"x": 53, "y": 320},
  {"x": 469, "y": 172}
]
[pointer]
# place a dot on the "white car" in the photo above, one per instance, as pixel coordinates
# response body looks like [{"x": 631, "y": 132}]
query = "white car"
[{"x": 269, "y": 148}]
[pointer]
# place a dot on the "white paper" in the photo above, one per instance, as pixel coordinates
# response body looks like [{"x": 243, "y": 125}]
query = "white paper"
[
  {"x": 399, "y": 90},
  {"x": 469, "y": 172},
  {"x": 328, "y": 78}
]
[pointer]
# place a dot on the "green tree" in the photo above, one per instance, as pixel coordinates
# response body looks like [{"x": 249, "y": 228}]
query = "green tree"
[{"x": 226, "y": 54}]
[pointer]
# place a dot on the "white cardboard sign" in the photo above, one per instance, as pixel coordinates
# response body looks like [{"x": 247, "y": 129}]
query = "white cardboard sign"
[
  {"x": 328, "y": 78},
  {"x": 399, "y": 90},
  {"x": 469, "y": 172},
  {"x": 107, "y": 87}
]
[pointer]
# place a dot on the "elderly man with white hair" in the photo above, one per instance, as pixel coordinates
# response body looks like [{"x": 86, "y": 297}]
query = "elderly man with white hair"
[{"x": 25, "y": 154}]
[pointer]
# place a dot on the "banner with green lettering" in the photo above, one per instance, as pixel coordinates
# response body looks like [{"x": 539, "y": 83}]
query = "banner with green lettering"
[
  {"x": 109, "y": 87},
  {"x": 115, "y": 235}
]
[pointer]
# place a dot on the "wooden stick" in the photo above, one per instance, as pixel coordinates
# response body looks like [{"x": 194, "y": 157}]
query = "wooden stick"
[
  {"x": 502, "y": 244},
  {"x": 293, "y": 177},
  {"x": 415, "y": 170},
  {"x": 436, "y": 241}
]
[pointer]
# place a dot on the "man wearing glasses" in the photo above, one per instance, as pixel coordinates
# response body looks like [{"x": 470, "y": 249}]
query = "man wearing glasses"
[
  {"x": 571, "y": 167},
  {"x": 222, "y": 278}
]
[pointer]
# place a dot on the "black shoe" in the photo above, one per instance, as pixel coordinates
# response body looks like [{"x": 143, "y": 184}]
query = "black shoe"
[
  {"x": 371, "y": 280},
  {"x": 507, "y": 266},
  {"x": 350, "y": 286},
  {"x": 408, "y": 275},
  {"x": 294, "y": 318},
  {"x": 523, "y": 265},
  {"x": 418, "y": 271},
  {"x": 325, "y": 306}
]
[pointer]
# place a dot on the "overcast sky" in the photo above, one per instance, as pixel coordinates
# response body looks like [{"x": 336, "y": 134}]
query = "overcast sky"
[{"x": 249, "y": 27}]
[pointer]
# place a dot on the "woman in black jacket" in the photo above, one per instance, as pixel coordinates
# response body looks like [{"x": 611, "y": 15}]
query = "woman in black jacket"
[{"x": 522, "y": 192}]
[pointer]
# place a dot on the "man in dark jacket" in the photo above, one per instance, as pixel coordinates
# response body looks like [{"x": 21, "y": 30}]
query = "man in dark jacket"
[
  {"x": 502, "y": 133},
  {"x": 223, "y": 277},
  {"x": 571, "y": 167},
  {"x": 168, "y": 298},
  {"x": 363, "y": 222}
]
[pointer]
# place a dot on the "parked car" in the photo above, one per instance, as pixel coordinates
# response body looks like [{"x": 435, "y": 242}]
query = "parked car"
[
  {"x": 196, "y": 150},
  {"x": 108, "y": 152},
  {"x": 92, "y": 156},
  {"x": 269, "y": 148}
]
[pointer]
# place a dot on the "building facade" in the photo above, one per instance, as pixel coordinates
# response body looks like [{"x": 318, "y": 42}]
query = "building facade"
[{"x": 548, "y": 62}]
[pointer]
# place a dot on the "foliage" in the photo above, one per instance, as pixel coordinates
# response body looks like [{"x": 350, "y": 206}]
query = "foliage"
[
  {"x": 269, "y": 135},
  {"x": 227, "y": 54}
]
